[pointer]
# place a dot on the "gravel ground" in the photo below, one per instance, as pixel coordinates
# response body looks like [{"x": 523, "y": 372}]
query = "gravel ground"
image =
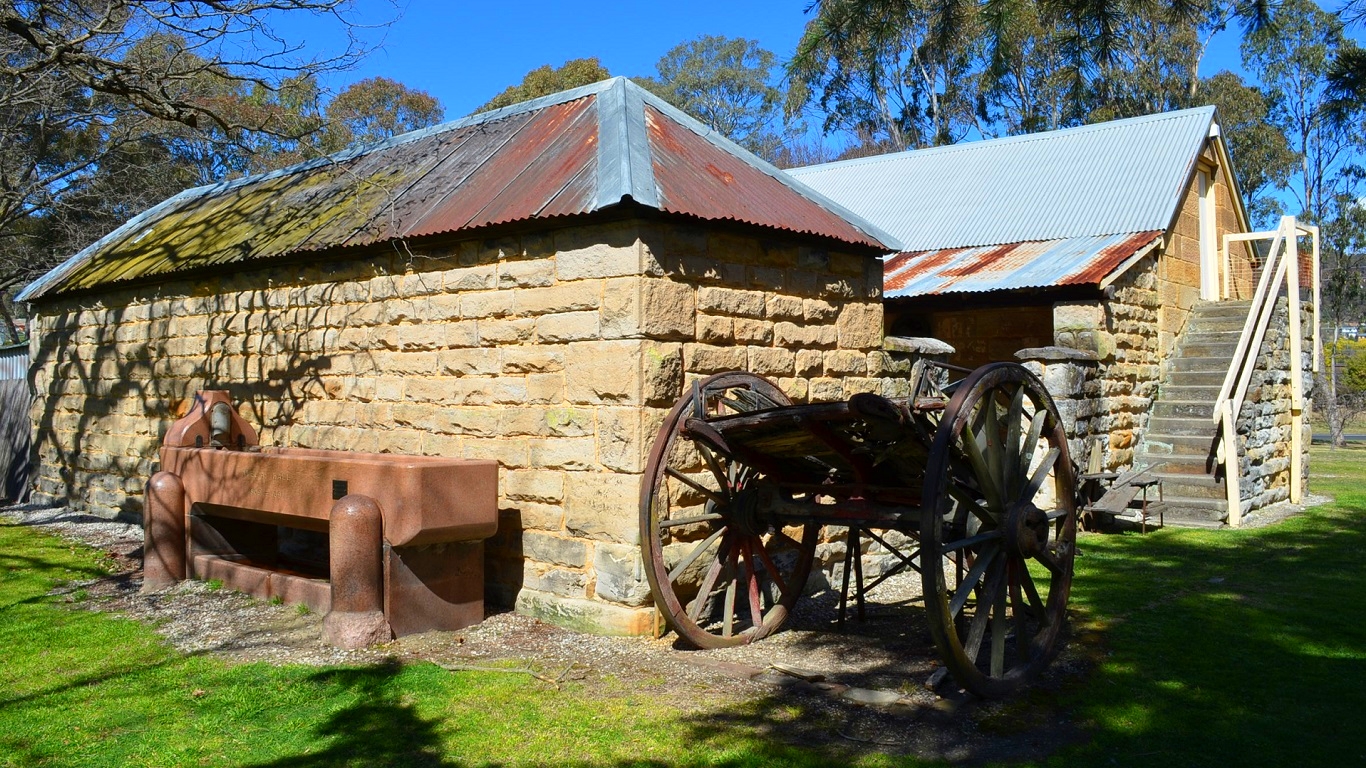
[{"x": 861, "y": 689}]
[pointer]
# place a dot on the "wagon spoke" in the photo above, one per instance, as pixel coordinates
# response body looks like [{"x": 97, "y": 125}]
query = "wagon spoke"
[
  {"x": 788, "y": 540},
  {"x": 998, "y": 627},
  {"x": 717, "y": 470},
  {"x": 1018, "y": 612},
  {"x": 1012, "y": 445},
  {"x": 994, "y": 450},
  {"x": 756, "y": 611},
  {"x": 979, "y": 466},
  {"x": 960, "y": 494},
  {"x": 1057, "y": 513},
  {"x": 977, "y": 630},
  {"x": 772, "y": 569},
  {"x": 1040, "y": 474},
  {"x": 1031, "y": 440},
  {"x": 695, "y": 553},
  {"x": 696, "y": 486},
  {"x": 680, "y": 521},
  {"x": 728, "y": 627},
  {"x": 971, "y": 541},
  {"x": 1032, "y": 592},
  {"x": 1048, "y": 562},
  {"x": 972, "y": 579},
  {"x": 704, "y": 591}
]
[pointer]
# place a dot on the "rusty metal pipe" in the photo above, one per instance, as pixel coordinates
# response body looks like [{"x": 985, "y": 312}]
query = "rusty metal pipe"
[
  {"x": 355, "y": 536},
  {"x": 163, "y": 532}
]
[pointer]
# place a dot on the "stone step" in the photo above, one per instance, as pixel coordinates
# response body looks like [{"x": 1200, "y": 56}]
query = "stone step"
[
  {"x": 1213, "y": 379},
  {"x": 1182, "y": 427},
  {"x": 1201, "y": 364},
  {"x": 1185, "y": 409},
  {"x": 1157, "y": 445},
  {"x": 1177, "y": 486},
  {"x": 1192, "y": 512},
  {"x": 1175, "y": 463},
  {"x": 1174, "y": 519},
  {"x": 1224, "y": 349},
  {"x": 1186, "y": 393},
  {"x": 1216, "y": 325},
  {"x": 1202, "y": 336},
  {"x": 1222, "y": 309}
]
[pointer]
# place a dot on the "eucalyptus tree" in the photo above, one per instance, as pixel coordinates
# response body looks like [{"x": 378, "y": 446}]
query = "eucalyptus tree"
[
  {"x": 922, "y": 72},
  {"x": 1262, "y": 158},
  {"x": 728, "y": 84},
  {"x": 545, "y": 80},
  {"x": 1292, "y": 61},
  {"x": 894, "y": 72},
  {"x": 113, "y": 86}
]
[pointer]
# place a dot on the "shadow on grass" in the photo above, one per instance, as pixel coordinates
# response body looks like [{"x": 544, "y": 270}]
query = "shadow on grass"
[
  {"x": 1225, "y": 647},
  {"x": 377, "y": 729}
]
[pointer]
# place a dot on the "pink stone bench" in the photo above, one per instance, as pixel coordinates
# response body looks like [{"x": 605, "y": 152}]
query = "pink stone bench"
[{"x": 385, "y": 545}]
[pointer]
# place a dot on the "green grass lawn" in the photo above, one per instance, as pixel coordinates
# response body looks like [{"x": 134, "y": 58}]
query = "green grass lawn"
[{"x": 1212, "y": 648}]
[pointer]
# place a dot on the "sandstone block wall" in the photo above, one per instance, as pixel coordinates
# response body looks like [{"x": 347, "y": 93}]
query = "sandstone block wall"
[
  {"x": 1179, "y": 270},
  {"x": 1122, "y": 333},
  {"x": 555, "y": 353},
  {"x": 1264, "y": 422}
]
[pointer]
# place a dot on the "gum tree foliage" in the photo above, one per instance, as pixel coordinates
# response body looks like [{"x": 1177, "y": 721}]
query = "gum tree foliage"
[
  {"x": 726, "y": 83},
  {"x": 1343, "y": 287},
  {"x": 108, "y": 99},
  {"x": 1292, "y": 61},
  {"x": 376, "y": 109},
  {"x": 545, "y": 80},
  {"x": 891, "y": 72},
  {"x": 1262, "y": 158},
  {"x": 901, "y": 74}
]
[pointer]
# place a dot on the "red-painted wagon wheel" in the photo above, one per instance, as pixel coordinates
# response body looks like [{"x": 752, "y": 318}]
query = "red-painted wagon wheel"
[
  {"x": 999, "y": 520},
  {"x": 722, "y": 571}
]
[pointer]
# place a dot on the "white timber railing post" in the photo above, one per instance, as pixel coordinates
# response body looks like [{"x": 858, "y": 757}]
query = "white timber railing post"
[{"x": 1296, "y": 363}]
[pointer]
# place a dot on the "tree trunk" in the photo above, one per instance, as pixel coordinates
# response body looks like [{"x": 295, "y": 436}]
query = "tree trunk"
[
  {"x": 9, "y": 334},
  {"x": 1334, "y": 410}
]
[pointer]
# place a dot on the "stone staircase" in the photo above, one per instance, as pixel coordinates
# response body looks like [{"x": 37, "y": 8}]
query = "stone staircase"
[{"x": 1181, "y": 434}]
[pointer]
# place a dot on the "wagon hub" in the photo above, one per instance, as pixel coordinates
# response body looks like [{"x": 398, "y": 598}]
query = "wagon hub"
[
  {"x": 743, "y": 513},
  {"x": 1026, "y": 530}
]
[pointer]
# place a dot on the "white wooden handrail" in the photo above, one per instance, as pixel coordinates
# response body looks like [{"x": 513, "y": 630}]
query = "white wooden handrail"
[{"x": 1281, "y": 267}]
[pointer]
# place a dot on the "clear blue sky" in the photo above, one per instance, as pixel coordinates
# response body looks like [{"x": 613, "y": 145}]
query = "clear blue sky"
[{"x": 464, "y": 53}]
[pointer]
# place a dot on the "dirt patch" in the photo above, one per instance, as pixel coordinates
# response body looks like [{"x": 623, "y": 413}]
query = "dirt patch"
[{"x": 858, "y": 689}]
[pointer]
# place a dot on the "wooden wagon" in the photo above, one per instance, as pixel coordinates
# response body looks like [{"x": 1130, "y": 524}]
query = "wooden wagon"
[{"x": 976, "y": 474}]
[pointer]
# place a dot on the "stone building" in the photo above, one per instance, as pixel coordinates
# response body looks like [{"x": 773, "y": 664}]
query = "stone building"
[
  {"x": 534, "y": 285},
  {"x": 1094, "y": 249}
]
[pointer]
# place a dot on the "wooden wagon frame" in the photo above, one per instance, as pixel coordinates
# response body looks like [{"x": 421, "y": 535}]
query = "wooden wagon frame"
[{"x": 976, "y": 474}]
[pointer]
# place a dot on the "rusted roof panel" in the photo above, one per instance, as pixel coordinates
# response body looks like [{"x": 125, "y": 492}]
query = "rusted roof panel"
[
  {"x": 523, "y": 178},
  {"x": 696, "y": 177},
  {"x": 1013, "y": 266},
  {"x": 571, "y": 153}
]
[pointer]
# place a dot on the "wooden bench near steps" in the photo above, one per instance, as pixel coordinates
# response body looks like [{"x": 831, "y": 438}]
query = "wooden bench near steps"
[{"x": 1120, "y": 490}]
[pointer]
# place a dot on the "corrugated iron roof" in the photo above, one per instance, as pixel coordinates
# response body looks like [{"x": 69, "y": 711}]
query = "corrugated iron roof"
[
  {"x": 567, "y": 154},
  {"x": 1012, "y": 266},
  {"x": 1109, "y": 178}
]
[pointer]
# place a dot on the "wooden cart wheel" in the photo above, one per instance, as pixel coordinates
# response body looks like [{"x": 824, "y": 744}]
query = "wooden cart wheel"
[
  {"x": 1000, "y": 521},
  {"x": 721, "y": 571}
]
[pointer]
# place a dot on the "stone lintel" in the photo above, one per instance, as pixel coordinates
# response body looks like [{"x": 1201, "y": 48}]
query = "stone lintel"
[
  {"x": 1057, "y": 355},
  {"x": 917, "y": 345}
]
